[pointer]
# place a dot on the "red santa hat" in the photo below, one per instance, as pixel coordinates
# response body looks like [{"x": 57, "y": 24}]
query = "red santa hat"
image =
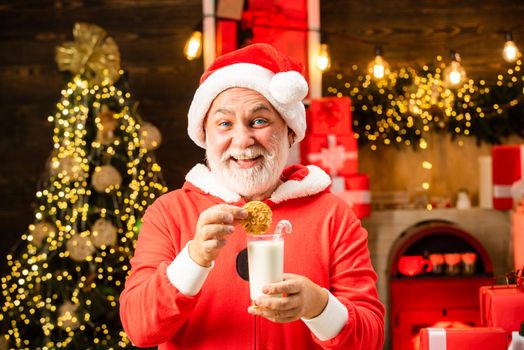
[{"x": 259, "y": 67}]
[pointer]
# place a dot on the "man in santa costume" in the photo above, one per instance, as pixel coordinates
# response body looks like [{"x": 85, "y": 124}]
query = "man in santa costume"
[{"x": 187, "y": 287}]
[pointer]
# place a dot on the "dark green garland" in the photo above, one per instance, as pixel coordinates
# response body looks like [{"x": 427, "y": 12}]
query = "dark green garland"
[{"x": 389, "y": 112}]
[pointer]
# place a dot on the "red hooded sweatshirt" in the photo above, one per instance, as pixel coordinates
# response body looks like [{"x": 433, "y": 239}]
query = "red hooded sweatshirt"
[{"x": 328, "y": 245}]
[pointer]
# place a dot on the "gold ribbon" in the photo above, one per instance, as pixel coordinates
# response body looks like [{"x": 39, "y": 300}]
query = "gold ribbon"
[{"x": 92, "y": 54}]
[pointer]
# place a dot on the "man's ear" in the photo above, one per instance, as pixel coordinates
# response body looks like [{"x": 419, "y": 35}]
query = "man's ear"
[
  {"x": 204, "y": 126},
  {"x": 290, "y": 136}
]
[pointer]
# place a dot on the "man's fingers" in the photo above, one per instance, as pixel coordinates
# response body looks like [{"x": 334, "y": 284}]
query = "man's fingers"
[
  {"x": 222, "y": 214},
  {"x": 216, "y": 231},
  {"x": 215, "y": 216},
  {"x": 285, "y": 287},
  {"x": 277, "y": 303},
  {"x": 238, "y": 213},
  {"x": 213, "y": 244},
  {"x": 275, "y": 315}
]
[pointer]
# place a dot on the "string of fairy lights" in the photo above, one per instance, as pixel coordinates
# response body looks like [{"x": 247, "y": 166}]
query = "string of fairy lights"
[
  {"x": 406, "y": 105},
  {"x": 402, "y": 108},
  {"x": 101, "y": 176}
]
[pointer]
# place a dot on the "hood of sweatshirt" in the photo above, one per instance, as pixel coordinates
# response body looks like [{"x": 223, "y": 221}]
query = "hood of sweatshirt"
[{"x": 297, "y": 181}]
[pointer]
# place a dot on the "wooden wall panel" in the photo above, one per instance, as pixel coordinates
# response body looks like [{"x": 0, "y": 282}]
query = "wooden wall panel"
[
  {"x": 151, "y": 35},
  {"x": 415, "y": 32}
]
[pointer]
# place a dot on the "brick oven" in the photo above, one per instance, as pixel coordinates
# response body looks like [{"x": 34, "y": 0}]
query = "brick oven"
[
  {"x": 422, "y": 300},
  {"x": 431, "y": 280}
]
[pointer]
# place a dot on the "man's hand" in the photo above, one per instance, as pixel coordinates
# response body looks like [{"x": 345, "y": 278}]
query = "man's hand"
[
  {"x": 213, "y": 226},
  {"x": 301, "y": 298}
]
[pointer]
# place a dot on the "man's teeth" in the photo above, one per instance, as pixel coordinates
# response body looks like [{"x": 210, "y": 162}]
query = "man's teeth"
[{"x": 245, "y": 158}]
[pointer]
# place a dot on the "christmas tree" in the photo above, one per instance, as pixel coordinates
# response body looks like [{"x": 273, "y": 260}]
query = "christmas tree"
[{"x": 66, "y": 274}]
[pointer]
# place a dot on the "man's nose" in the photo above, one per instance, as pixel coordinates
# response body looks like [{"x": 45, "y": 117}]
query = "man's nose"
[{"x": 243, "y": 137}]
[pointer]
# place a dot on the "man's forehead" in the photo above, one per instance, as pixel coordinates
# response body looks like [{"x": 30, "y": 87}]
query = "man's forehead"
[{"x": 244, "y": 97}]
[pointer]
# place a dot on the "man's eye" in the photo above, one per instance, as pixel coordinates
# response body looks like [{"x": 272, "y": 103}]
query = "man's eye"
[
  {"x": 224, "y": 123},
  {"x": 259, "y": 122}
]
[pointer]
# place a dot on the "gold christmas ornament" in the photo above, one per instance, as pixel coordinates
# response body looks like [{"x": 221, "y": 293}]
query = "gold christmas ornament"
[
  {"x": 69, "y": 166},
  {"x": 67, "y": 316},
  {"x": 106, "y": 125},
  {"x": 40, "y": 231},
  {"x": 92, "y": 54},
  {"x": 103, "y": 233},
  {"x": 150, "y": 136},
  {"x": 79, "y": 248},
  {"x": 106, "y": 178}
]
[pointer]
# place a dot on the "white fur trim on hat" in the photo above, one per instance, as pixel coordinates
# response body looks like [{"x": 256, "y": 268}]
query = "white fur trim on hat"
[{"x": 285, "y": 94}]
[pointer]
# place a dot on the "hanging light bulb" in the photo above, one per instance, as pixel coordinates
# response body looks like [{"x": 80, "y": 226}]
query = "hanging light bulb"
[
  {"x": 323, "y": 58},
  {"x": 454, "y": 74},
  {"x": 510, "y": 51},
  {"x": 379, "y": 67},
  {"x": 193, "y": 47}
]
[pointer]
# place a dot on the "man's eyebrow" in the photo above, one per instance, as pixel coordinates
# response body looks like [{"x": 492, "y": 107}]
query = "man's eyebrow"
[
  {"x": 223, "y": 111},
  {"x": 260, "y": 107}
]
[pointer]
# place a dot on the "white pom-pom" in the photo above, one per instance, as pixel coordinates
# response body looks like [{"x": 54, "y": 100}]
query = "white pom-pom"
[{"x": 288, "y": 87}]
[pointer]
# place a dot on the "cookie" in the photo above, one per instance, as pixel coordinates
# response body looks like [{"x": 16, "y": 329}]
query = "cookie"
[{"x": 258, "y": 219}]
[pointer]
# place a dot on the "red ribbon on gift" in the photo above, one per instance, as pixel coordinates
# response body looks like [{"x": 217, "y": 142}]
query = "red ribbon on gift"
[
  {"x": 332, "y": 157},
  {"x": 508, "y": 178},
  {"x": 330, "y": 113}
]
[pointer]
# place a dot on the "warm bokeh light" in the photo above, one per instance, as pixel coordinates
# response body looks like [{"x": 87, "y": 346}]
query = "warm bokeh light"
[
  {"x": 427, "y": 165},
  {"x": 454, "y": 74},
  {"x": 323, "y": 59},
  {"x": 510, "y": 51},
  {"x": 379, "y": 67},
  {"x": 193, "y": 47}
]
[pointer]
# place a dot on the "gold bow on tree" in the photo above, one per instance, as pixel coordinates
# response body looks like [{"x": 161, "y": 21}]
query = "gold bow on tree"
[{"x": 92, "y": 54}]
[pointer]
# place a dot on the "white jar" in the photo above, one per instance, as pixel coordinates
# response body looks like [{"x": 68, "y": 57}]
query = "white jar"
[
  {"x": 517, "y": 339},
  {"x": 463, "y": 201}
]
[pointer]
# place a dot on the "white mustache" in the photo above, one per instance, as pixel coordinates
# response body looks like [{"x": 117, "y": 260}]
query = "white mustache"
[{"x": 249, "y": 153}]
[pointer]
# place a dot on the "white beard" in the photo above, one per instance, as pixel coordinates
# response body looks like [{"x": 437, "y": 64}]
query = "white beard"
[{"x": 252, "y": 181}]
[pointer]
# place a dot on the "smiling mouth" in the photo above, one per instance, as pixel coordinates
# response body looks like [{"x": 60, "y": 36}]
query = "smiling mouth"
[{"x": 246, "y": 162}]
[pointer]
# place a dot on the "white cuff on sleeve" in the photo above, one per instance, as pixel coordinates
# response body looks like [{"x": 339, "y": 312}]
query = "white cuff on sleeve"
[
  {"x": 186, "y": 275},
  {"x": 331, "y": 320}
]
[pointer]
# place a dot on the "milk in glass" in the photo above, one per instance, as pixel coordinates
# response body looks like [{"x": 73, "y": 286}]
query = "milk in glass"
[{"x": 265, "y": 262}]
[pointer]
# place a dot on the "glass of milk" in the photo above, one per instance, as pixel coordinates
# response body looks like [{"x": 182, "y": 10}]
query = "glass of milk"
[{"x": 265, "y": 254}]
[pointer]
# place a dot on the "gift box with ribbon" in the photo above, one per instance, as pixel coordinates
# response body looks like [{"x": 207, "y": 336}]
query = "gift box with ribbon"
[
  {"x": 356, "y": 192},
  {"x": 479, "y": 338},
  {"x": 502, "y": 306},
  {"x": 337, "y": 155},
  {"x": 507, "y": 168},
  {"x": 330, "y": 115}
]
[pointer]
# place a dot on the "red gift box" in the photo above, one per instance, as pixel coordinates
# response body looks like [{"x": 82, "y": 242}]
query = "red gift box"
[
  {"x": 502, "y": 306},
  {"x": 330, "y": 115},
  {"x": 226, "y": 36},
  {"x": 337, "y": 155},
  {"x": 282, "y": 24},
  {"x": 481, "y": 338},
  {"x": 357, "y": 194},
  {"x": 517, "y": 228},
  {"x": 508, "y": 161}
]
